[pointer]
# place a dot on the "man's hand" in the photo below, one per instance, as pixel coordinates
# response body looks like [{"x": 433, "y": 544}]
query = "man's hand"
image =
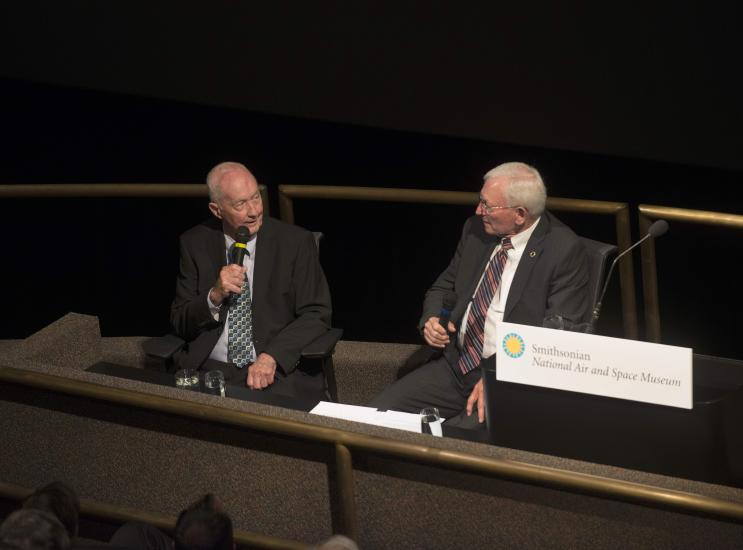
[
  {"x": 477, "y": 396},
  {"x": 434, "y": 333},
  {"x": 261, "y": 373},
  {"x": 231, "y": 278}
]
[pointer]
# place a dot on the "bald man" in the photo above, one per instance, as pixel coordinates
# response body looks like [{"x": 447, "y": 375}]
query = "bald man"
[{"x": 251, "y": 320}]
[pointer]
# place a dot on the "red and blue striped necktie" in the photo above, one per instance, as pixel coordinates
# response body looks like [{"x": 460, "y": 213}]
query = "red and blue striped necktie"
[{"x": 474, "y": 334}]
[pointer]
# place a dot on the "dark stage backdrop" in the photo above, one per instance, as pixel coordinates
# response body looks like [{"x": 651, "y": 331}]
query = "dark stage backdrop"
[
  {"x": 609, "y": 102},
  {"x": 117, "y": 258},
  {"x": 657, "y": 81}
]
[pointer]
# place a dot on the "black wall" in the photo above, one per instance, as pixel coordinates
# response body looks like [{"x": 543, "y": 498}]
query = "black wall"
[
  {"x": 620, "y": 103},
  {"x": 117, "y": 258},
  {"x": 657, "y": 81}
]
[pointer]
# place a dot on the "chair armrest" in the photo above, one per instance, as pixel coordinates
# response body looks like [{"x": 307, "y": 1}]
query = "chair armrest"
[
  {"x": 324, "y": 345},
  {"x": 163, "y": 347}
]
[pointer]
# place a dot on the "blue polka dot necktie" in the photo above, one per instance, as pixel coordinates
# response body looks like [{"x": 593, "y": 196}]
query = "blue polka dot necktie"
[{"x": 240, "y": 331}]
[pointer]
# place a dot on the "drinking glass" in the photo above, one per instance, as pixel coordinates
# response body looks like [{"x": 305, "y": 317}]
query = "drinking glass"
[
  {"x": 214, "y": 382},
  {"x": 186, "y": 378},
  {"x": 431, "y": 421}
]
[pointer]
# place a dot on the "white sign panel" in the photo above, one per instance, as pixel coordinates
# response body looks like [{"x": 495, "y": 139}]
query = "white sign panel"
[{"x": 598, "y": 365}]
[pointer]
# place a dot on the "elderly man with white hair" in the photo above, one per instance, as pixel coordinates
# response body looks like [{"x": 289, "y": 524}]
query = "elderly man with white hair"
[
  {"x": 515, "y": 262},
  {"x": 250, "y": 315}
]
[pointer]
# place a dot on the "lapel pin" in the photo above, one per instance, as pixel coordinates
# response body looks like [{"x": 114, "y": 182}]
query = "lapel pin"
[{"x": 532, "y": 253}]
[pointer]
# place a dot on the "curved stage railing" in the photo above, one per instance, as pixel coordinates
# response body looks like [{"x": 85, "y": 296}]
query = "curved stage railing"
[
  {"x": 648, "y": 214},
  {"x": 345, "y": 450},
  {"x": 619, "y": 210}
]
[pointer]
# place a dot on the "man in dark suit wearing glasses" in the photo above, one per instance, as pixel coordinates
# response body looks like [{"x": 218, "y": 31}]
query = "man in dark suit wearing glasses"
[{"x": 515, "y": 262}]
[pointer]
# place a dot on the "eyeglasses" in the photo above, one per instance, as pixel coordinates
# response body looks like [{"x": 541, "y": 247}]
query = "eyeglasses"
[{"x": 488, "y": 209}]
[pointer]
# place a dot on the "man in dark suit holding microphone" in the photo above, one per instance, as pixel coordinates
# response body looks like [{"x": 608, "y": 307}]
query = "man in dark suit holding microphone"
[
  {"x": 514, "y": 262},
  {"x": 249, "y": 319}
]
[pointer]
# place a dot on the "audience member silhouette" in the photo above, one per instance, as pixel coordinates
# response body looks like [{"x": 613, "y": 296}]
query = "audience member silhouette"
[
  {"x": 49, "y": 519},
  {"x": 60, "y": 500},
  {"x": 204, "y": 526},
  {"x": 31, "y": 529}
]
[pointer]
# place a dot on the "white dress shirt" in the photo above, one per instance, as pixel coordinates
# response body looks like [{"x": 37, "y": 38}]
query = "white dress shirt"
[
  {"x": 498, "y": 305},
  {"x": 220, "y": 348}
]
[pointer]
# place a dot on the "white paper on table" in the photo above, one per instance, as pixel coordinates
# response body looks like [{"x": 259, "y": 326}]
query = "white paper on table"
[
  {"x": 369, "y": 415},
  {"x": 345, "y": 412}
]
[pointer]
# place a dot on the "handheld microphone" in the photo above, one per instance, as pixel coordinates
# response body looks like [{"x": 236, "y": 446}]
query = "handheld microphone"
[
  {"x": 241, "y": 247},
  {"x": 657, "y": 229},
  {"x": 450, "y": 300}
]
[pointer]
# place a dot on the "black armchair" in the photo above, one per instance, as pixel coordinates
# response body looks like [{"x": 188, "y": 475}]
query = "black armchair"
[
  {"x": 161, "y": 351},
  {"x": 598, "y": 255}
]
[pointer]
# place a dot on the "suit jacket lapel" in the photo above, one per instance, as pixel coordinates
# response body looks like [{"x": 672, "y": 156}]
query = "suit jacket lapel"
[
  {"x": 477, "y": 261},
  {"x": 482, "y": 264},
  {"x": 529, "y": 259},
  {"x": 217, "y": 250},
  {"x": 265, "y": 250}
]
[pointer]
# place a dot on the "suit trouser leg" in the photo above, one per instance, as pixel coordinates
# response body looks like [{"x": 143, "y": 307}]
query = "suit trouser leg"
[{"x": 431, "y": 385}]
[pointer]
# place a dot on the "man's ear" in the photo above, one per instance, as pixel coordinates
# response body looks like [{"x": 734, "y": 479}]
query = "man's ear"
[
  {"x": 521, "y": 214},
  {"x": 214, "y": 209}
]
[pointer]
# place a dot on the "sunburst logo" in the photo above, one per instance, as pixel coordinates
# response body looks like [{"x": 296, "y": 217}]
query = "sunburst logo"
[{"x": 513, "y": 345}]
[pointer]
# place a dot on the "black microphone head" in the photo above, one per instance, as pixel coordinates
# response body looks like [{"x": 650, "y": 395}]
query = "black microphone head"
[
  {"x": 450, "y": 300},
  {"x": 242, "y": 234},
  {"x": 658, "y": 228}
]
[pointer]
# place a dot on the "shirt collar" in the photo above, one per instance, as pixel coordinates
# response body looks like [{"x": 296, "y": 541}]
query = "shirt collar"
[{"x": 519, "y": 240}]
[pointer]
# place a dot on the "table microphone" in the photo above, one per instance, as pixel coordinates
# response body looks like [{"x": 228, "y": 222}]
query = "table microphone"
[{"x": 658, "y": 228}]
